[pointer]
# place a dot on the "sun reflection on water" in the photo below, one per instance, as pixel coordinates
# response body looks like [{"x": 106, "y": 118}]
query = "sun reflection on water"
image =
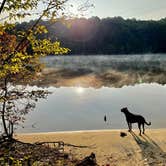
[{"x": 80, "y": 90}]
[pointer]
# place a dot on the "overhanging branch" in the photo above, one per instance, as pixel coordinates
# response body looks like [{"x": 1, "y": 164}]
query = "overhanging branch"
[{"x": 2, "y": 6}]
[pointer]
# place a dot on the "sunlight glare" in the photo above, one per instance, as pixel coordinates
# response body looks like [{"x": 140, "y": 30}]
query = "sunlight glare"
[{"x": 80, "y": 90}]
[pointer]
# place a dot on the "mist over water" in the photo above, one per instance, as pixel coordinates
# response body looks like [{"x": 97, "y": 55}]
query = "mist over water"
[{"x": 106, "y": 62}]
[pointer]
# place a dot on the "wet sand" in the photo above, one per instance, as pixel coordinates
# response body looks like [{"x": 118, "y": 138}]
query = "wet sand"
[{"x": 109, "y": 147}]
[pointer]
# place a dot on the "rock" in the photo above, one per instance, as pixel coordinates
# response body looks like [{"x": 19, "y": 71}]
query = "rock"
[
  {"x": 88, "y": 161},
  {"x": 123, "y": 134}
]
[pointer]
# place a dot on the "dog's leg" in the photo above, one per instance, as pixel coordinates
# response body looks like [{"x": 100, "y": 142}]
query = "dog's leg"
[
  {"x": 139, "y": 126},
  {"x": 129, "y": 126},
  {"x": 143, "y": 126}
]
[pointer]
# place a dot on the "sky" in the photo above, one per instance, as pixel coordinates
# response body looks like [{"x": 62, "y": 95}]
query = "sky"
[{"x": 139, "y": 9}]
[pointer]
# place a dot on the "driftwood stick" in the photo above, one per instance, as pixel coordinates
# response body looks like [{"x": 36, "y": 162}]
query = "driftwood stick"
[{"x": 61, "y": 143}]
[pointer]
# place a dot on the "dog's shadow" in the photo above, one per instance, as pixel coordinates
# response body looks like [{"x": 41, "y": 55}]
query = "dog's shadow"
[{"x": 152, "y": 153}]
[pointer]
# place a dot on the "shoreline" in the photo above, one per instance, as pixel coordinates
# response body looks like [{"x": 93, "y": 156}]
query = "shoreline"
[{"x": 85, "y": 131}]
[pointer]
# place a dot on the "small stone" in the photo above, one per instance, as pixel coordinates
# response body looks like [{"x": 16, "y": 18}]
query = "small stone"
[{"x": 123, "y": 134}]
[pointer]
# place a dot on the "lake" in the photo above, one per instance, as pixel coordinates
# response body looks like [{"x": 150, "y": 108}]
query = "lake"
[
  {"x": 72, "y": 107},
  {"x": 77, "y": 108}
]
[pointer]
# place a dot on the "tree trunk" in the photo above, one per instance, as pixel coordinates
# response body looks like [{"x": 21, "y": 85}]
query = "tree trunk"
[
  {"x": 11, "y": 130},
  {"x": 3, "y": 119},
  {"x": 4, "y": 108}
]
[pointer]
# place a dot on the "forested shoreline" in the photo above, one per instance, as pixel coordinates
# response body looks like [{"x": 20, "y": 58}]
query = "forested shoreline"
[{"x": 105, "y": 36}]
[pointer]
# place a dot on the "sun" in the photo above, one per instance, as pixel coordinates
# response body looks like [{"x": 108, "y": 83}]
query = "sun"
[
  {"x": 77, "y": 9},
  {"x": 74, "y": 12}
]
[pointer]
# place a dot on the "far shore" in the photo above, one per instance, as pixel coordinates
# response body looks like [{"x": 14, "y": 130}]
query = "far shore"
[
  {"x": 88, "y": 78},
  {"x": 109, "y": 147}
]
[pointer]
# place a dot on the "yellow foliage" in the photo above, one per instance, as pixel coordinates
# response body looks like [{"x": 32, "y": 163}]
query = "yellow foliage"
[
  {"x": 15, "y": 62},
  {"x": 15, "y": 59}
]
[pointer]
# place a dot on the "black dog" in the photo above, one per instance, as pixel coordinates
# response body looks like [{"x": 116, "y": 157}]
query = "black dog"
[{"x": 132, "y": 118}]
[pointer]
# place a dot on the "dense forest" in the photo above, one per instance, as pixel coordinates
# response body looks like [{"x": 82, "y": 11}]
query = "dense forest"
[{"x": 106, "y": 36}]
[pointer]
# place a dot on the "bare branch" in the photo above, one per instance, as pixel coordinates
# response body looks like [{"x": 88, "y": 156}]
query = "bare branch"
[{"x": 2, "y": 6}]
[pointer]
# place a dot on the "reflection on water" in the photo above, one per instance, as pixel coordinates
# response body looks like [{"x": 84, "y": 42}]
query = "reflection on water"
[
  {"x": 99, "y": 71},
  {"x": 76, "y": 108}
]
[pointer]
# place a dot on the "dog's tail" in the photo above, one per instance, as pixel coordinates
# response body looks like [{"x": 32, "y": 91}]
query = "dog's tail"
[{"x": 148, "y": 123}]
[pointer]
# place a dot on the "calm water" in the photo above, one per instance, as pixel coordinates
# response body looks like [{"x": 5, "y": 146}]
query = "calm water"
[{"x": 76, "y": 108}]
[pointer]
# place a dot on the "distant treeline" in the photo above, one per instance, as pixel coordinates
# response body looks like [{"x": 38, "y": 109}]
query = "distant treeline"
[{"x": 106, "y": 36}]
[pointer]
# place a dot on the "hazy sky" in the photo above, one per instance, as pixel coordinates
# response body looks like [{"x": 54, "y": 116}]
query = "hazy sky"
[{"x": 140, "y": 9}]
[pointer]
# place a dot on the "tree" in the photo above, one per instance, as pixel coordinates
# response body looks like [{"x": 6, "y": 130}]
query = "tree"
[
  {"x": 107, "y": 35},
  {"x": 20, "y": 58}
]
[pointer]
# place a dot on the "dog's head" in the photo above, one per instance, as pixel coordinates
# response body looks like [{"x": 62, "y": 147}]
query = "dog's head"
[{"x": 124, "y": 110}]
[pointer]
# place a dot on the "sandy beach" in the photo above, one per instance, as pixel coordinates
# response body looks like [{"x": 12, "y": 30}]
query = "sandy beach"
[{"x": 109, "y": 147}]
